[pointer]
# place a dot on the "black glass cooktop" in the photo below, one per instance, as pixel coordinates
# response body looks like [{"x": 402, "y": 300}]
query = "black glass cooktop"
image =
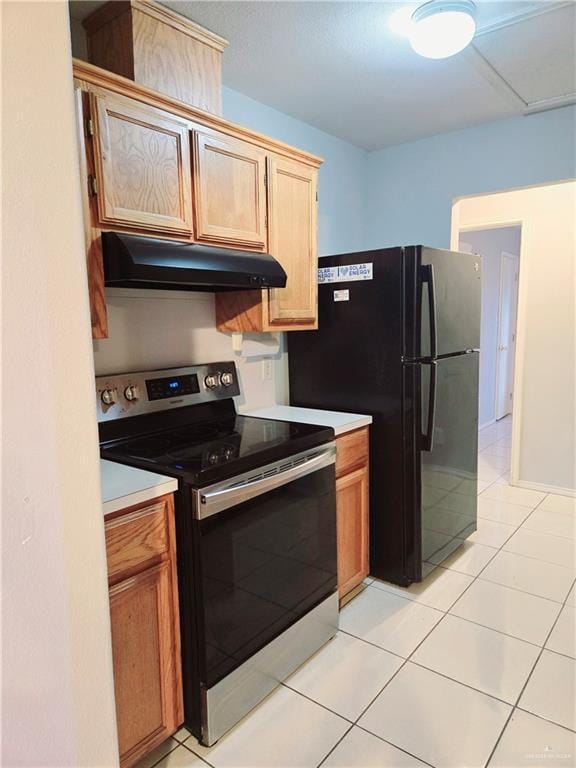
[{"x": 210, "y": 451}]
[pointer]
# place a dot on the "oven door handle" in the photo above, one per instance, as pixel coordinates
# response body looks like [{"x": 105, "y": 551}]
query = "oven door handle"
[{"x": 210, "y": 502}]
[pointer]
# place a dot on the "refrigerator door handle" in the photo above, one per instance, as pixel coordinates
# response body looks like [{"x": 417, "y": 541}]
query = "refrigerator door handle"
[
  {"x": 428, "y": 277},
  {"x": 427, "y": 439}
]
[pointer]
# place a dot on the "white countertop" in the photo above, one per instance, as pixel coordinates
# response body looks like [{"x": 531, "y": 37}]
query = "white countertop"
[
  {"x": 340, "y": 422},
  {"x": 124, "y": 486}
]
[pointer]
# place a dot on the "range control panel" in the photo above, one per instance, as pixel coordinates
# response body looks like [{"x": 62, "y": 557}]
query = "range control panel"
[{"x": 132, "y": 394}]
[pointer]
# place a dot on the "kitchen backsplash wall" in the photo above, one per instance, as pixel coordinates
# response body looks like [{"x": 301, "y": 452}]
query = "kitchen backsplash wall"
[{"x": 163, "y": 329}]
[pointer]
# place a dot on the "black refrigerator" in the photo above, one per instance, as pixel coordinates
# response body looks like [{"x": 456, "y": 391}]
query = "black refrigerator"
[{"x": 398, "y": 338}]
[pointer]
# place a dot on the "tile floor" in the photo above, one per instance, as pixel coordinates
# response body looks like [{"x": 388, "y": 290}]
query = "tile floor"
[{"x": 475, "y": 666}]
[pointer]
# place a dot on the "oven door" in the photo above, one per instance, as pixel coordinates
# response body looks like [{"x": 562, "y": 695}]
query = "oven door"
[{"x": 267, "y": 548}]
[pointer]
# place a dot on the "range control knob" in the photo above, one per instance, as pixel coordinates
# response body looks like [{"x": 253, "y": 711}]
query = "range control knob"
[
  {"x": 109, "y": 396},
  {"x": 131, "y": 392},
  {"x": 212, "y": 380},
  {"x": 227, "y": 379}
]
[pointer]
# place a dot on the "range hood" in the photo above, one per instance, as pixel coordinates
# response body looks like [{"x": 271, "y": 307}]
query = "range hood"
[{"x": 131, "y": 261}]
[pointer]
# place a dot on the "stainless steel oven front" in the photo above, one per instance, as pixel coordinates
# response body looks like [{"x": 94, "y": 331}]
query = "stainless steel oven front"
[{"x": 263, "y": 583}]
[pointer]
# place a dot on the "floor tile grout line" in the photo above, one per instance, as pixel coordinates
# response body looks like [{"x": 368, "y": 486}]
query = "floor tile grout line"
[
  {"x": 531, "y": 557},
  {"x": 391, "y": 744},
  {"x": 517, "y": 589},
  {"x": 459, "y": 682},
  {"x": 545, "y": 719},
  {"x": 498, "y": 631},
  {"x": 386, "y": 684},
  {"x": 546, "y": 533},
  {"x": 319, "y": 703},
  {"x": 529, "y": 677},
  {"x": 178, "y": 744},
  {"x": 197, "y": 755},
  {"x": 340, "y": 740},
  {"x": 374, "y": 645}
]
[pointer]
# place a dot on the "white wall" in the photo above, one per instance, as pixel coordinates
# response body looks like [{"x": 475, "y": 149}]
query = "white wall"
[
  {"x": 544, "y": 418},
  {"x": 489, "y": 244},
  {"x": 57, "y": 686},
  {"x": 163, "y": 329}
]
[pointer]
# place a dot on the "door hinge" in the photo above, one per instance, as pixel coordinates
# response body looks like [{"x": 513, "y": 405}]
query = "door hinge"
[
  {"x": 316, "y": 195},
  {"x": 89, "y": 127},
  {"x": 92, "y": 185},
  {"x": 265, "y": 178}
]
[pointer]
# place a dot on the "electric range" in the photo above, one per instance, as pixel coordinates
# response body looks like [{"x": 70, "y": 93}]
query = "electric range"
[{"x": 255, "y": 530}]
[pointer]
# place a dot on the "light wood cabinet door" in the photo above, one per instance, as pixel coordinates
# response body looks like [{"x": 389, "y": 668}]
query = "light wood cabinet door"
[
  {"x": 143, "y": 589},
  {"x": 229, "y": 191},
  {"x": 292, "y": 241},
  {"x": 142, "y": 165},
  {"x": 352, "y": 529},
  {"x": 145, "y": 653}
]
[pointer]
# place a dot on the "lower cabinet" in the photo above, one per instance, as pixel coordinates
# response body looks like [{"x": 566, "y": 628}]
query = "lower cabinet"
[
  {"x": 145, "y": 626},
  {"x": 352, "y": 509}
]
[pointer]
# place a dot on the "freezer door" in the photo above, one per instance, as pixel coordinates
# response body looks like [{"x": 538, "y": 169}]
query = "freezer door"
[
  {"x": 447, "y": 303},
  {"x": 448, "y": 455}
]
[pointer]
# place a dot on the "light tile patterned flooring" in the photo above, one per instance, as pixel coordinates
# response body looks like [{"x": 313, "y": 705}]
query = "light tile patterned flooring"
[{"x": 473, "y": 667}]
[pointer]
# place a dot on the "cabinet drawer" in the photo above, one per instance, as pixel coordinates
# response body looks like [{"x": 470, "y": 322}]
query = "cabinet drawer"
[
  {"x": 137, "y": 538},
  {"x": 351, "y": 451}
]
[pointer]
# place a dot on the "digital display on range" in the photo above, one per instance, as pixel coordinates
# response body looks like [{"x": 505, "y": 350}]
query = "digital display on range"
[{"x": 160, "y": 389}]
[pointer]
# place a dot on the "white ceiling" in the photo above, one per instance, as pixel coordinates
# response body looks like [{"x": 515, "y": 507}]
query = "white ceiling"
[{"x": 338, "y": 66}]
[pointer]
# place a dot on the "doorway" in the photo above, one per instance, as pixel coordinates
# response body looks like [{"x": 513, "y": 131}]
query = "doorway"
[{"x": 499, "y": 249}]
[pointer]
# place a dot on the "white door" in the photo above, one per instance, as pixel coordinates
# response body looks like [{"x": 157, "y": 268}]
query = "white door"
[{"x": 506, "y": 334}]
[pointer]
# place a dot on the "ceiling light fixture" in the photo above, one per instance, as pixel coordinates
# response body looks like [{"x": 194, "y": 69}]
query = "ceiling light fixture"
[{"x": 442, "y": 28}]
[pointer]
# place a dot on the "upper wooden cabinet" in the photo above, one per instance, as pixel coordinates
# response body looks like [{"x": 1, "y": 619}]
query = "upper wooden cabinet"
[
  {"x": 155, "y": 166},
  {"x": 142, "y": 166},
  {"x": 152, "y": 45},
  {"x": 229, "y": 191},
  {"x": 292, "y": 221},
  {"x": 292, "y": 241}
]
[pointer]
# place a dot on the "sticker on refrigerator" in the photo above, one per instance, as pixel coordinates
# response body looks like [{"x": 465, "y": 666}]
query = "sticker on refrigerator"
[
  {"x": 345, "y": 274},
  {"x": 343, "y": 295}
]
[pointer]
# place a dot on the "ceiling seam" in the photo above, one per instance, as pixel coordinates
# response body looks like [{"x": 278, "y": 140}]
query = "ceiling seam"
[
  {"x": 494, "y": 78},
  {"x": 511, "y": 20}
]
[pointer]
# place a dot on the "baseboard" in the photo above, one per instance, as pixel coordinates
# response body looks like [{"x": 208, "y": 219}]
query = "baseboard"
[
  {"x": 486, "y": 424},
  {"x": 544, "y": 488}
]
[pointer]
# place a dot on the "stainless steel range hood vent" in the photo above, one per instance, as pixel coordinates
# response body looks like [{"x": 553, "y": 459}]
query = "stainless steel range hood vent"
[{"x": 131, "y": 261}]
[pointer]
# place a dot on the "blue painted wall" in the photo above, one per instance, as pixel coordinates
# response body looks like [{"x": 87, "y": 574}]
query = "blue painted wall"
[
  {"x": 342, "y": 178},
  {"x": 404, "y": 194},
  {"x": 411, "y": 187}
]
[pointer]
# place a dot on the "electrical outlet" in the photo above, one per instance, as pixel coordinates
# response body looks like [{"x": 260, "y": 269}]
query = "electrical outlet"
[{"x": 267, "y": 369}]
